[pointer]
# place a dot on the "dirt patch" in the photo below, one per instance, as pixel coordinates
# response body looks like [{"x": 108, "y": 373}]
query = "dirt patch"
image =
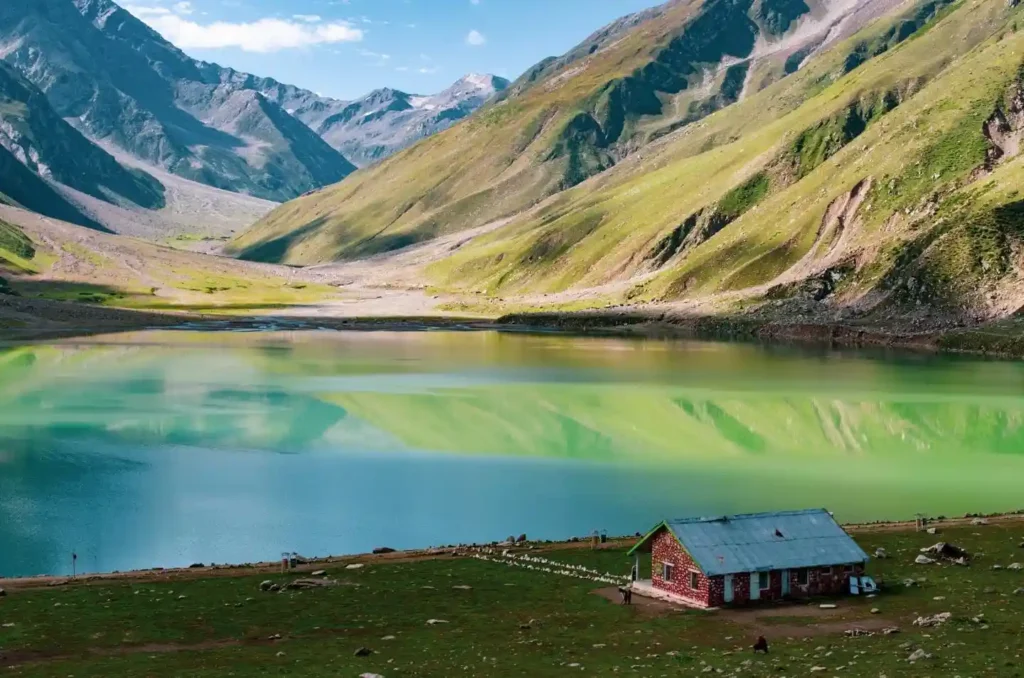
[
  {"x": 784, "y": 621},
  {"x": 648, "y": 607}
]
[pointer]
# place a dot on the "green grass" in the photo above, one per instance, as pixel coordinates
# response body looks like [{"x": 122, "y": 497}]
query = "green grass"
[{"x": 146, "y": 629}]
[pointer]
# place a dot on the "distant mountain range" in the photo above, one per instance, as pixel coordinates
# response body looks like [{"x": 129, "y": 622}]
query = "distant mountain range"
[{"x": 85, "y": 71}]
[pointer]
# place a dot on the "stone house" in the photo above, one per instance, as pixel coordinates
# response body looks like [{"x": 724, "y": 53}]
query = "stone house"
[{"x": 735, "y": 560}]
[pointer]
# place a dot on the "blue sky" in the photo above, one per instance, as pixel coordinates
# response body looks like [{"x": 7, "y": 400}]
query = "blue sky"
[{"x": 345, "y": 48}]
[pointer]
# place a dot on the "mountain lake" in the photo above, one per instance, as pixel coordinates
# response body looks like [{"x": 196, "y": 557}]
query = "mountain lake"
[{"x": 163, "y": 449}]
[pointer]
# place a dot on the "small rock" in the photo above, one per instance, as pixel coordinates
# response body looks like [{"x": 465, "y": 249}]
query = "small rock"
[
  {"x": 909, "y": 583},
  {"x": 354, "y": 566},
  {"x": 280, "y": 654},
  {"x": 828, "y": 606},
  {"x": 276, "y": 636},
  {"x": 319, "y": 573},
  {"x": 432, "y": 622},
  {"x": 818, "y": 669},
  {"x": 890, "y": 630},
  {"x": 979, "y": 521},
  {"x": 932, "y": 530},
  {"x": 363, "y": 652},
  {"x": 8, "y": 625},
  {"x": 1018, "y": 592},
  {"x": 463, "y": 587},
  {"x": 917, "y": 655},
  {"x": 875, "y": 610},
  {"x": 939, "y": 598},
  {"x": 997, "y": 567},
  {"x": 1015, "y": 566},
  {"x": 598, "y": 646},
  {"x": 574, "y": 665},
  {"x": 934, "y": 620},
  {"x": 266, "y": 585},
  {"x": 182, "y": 597},
  {"x": 370, "y": 675},
  {"x": 881, "y": 553},
  {"x": 388, "y": 638},
  {"x": 525, "y": 627},
  {"x": 275, "y": 588},
  {"x": 2, "y": 593},
  {"x": 924, "y": 560}
]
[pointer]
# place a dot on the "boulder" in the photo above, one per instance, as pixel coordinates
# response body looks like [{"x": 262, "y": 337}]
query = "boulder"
[
  {"x": 946, "y": 551},
  {"x": 434, "y": 622},
  {"x": 266, "y": 585},
  {"x": 354, "y": 566},
  {"x": 890, "y": 630},
  {"x": 979, "y": 521},
  {"x": 363, "y": 652},
  {"x": 1018, "y": 592},
  {"x": 319, "y": 573},
  {"x": 381, "y": 550},
  {"x": 932, "y": 530},
  {"x": 924, "y": 560},
  {"x": 1015, "y": 566},
  {"x": 2, "y": 593}
]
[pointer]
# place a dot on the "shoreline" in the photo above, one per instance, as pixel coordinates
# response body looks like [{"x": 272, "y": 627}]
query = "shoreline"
[
  {"x": 412, "y": 555},
  {"x": 40, "y": 321}
]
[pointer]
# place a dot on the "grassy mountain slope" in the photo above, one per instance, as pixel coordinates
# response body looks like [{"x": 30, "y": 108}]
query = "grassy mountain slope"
[
  {"x": 878, "y": 180},
  {"x": 569, "y": 119},
  {"x": 848, "y": 189},
  {"x": 702, "y": 186}
]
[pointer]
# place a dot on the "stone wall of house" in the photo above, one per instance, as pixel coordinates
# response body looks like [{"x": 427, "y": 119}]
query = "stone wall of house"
[
  {"x": 828, "y": 581},
  {"x": 666, "y": 549}
]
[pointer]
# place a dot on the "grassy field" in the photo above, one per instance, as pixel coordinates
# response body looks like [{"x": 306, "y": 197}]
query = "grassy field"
[{"x": 504, "y": 621}]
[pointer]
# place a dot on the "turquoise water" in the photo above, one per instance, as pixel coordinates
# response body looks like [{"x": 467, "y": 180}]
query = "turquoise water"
[{"x": 170, "y": 448}]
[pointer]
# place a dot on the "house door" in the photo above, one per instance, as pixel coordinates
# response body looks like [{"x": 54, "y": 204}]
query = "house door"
[
  {"x": 755, "y": 586},
  {"x": 785, "y": 582},
  {"x": 729, "y": 595}
]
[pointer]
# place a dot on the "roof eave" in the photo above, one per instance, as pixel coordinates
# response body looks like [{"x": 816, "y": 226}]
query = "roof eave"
[{"x": 647, "y": 537}]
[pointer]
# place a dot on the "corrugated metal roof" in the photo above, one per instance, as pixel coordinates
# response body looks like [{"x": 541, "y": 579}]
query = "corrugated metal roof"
[{"x": 766, "y": 541}]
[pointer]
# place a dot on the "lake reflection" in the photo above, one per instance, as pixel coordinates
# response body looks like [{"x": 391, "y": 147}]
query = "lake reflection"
[{"x": 164, "y": 448}]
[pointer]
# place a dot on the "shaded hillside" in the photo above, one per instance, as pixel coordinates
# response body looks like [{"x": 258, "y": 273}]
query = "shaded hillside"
[
  {"x": 567, "y": 120},
  {"x": 44, "y": 143}
]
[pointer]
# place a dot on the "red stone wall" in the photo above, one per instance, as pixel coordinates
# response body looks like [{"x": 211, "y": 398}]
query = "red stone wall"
[
  {"x": 819, "y": 583},
  {"x": 665, "y": 549}
]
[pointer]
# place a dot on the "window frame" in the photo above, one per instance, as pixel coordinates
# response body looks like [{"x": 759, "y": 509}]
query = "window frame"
[
  {"x": 848, "y": 569},
  {"x": 767, "y": 577},
  {"x": 803, "y": 576},
  {"x": 667, "y": 569},
  {"x": 695, "y": 580}
]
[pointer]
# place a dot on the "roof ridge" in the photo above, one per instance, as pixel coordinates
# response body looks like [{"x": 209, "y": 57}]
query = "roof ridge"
[{"x": 747, "y": 516}]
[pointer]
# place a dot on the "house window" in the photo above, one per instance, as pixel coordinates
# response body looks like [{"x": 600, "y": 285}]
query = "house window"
[
  {"x": 762, "y": 580},
  {"x": 827, "y": 571},
  {"x": 666, "y": 571},
  {"x": 802, "y": 576},
  {"x": 694, "y": 580},
  {"x": 848, "y": 569}
]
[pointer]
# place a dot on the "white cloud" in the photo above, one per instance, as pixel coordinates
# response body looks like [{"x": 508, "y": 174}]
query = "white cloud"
[
  {"x": 476, "y": 38},
  {"x": 183, "y": 8},
  {"x": 263, "y": 35},
  {"x": 308, "y": 18},
  {"x": 143, "y": 12}
]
